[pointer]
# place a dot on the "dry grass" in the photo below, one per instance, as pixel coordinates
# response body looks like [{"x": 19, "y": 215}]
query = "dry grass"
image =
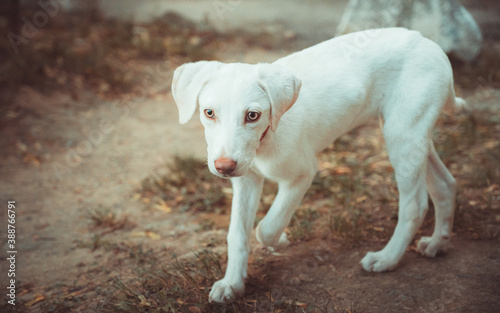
[
  {"x": 110, "y": 57},
  {"x": 183, "y": 286},
  {"x": 74, "y": 52},
  {"x": 107, "y": 218},
  {"x": 188, "y": 185},
  {"x": 352, "y": 200},
  {"x": 355, "y": 190}
]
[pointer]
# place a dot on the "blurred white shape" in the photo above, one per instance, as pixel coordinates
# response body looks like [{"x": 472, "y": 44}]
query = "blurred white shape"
[{"x": 446, "y": 22}]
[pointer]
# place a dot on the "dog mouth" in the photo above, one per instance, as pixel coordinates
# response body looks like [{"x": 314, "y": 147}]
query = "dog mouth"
[
  {"x": 226, "y": 175},
  {"x": 228, "y": 168}
]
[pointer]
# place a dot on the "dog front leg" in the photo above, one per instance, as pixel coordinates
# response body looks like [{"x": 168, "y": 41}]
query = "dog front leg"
[
  {"x": 270, "y": 230},
  {"x": 247, "y": 191}
]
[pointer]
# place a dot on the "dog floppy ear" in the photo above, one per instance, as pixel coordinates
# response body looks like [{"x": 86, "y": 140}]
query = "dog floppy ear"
[
  {"x": 282, "y": 88},
  {"x": 189, "y": 79}
]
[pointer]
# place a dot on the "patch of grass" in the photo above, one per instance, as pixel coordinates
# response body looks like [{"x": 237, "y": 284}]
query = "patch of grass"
[
  {"x": 172, "y": 288},
  {"x": 184, "y": 285},
  {"x": 94, "y": 243},
  {"x": 469, "y": 144},
  {"x": 485, "y": 170},
  {"x": 206, "y": 225},
  {"x": 354, "y": 195},
  {"x": 9, "y": 308},
  {"x": 77, "y": 51},
  {"x": 348, "y": 225},
  {"x": 103, "y": 217},
  {"x": 189, "y": 186},
  {"x": 66, "y": 301},
  {"x": 301, "y": 225},
  {"x": 141, "y": 255},
  {"x": 456, "y": 133},
  {"x": 86, "y": 52},
  {"x": 103, "y": 222}
]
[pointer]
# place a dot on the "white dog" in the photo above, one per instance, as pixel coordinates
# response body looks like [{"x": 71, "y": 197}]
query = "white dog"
[{"x": 307, "y": 100}]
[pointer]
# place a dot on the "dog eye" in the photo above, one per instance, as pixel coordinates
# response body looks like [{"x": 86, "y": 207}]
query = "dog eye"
[
  {"x": 209, "y": 113},
  {"x": 253, "y": 116}
]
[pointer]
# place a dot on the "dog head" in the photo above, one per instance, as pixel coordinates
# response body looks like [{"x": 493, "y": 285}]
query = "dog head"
[{"x": 238, "y": 104}]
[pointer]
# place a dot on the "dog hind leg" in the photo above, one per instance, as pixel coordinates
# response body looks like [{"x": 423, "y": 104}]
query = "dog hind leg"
[
  {"x": 442, "y": 187},
  {"x": 408, "y": 152}
]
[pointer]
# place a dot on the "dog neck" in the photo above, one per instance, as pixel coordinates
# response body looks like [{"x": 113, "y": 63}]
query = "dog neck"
[{"x": 265, "y": 133}]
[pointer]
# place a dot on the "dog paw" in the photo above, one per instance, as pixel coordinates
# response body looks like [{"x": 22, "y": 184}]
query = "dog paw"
[
  {"x": 223, "y": 292},
  {"x": 378, "y": 262},
  {"x": 429, "y": 248},
  {"x": 283, "y": 242},
  {"x": 271, "y": 240}
]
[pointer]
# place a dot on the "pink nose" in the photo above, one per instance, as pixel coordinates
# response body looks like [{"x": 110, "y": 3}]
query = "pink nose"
[{"x": 225, "y": 166}]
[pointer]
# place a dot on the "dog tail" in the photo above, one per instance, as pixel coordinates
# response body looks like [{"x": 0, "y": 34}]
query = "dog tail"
[{"x": 460, "y": 103}]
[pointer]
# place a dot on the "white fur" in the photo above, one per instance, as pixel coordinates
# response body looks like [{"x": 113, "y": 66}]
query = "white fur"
[{"x": 309, "y": 99}]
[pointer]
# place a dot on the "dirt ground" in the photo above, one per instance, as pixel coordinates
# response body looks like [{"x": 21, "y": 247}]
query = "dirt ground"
[{"x": 65, "y": 156}]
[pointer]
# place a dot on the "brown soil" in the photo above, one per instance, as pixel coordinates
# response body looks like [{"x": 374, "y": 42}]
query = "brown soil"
[{"x": 63, "y": 254}]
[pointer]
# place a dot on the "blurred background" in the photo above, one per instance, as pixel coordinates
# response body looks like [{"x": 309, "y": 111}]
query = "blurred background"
[{"x": 117, "y": 212}]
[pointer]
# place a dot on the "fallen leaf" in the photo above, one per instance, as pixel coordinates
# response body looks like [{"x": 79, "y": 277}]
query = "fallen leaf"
[
  {"x": 152, "y": 235},
  {"x": 162, "y": 206},
  {"x": 74, "y": 293},
  {"x": 301, "y": 304},
  {"x": 143, "y": 302},
  {"x": 227, "y": 191},
  {"x": 270, "y": 296},
  {"x": 379, "y": 165},
  {"x": 194, "y": 309},
  {"x": 326, "y": 166},
  {"x": 491, "y": 144},
  {"x": 492, "y": 187},
  {"x": 21, "y": 146},
  {"x": 138, "y": 234},
  {"x": 37, "y": 299},
  {"x": 342, "y": 170},
  {"x": 31, "y": 159},
  {"x": 12, "y": 115},
  {"x": 268, "y": 199},
  {"x": 103, "y": 87},
  {"x": 324, "y": 173},
  {"x": 361, "y": 199}
]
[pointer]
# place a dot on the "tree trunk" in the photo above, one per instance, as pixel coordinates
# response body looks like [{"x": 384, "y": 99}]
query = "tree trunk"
[{"x": 446, "y": 22}]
